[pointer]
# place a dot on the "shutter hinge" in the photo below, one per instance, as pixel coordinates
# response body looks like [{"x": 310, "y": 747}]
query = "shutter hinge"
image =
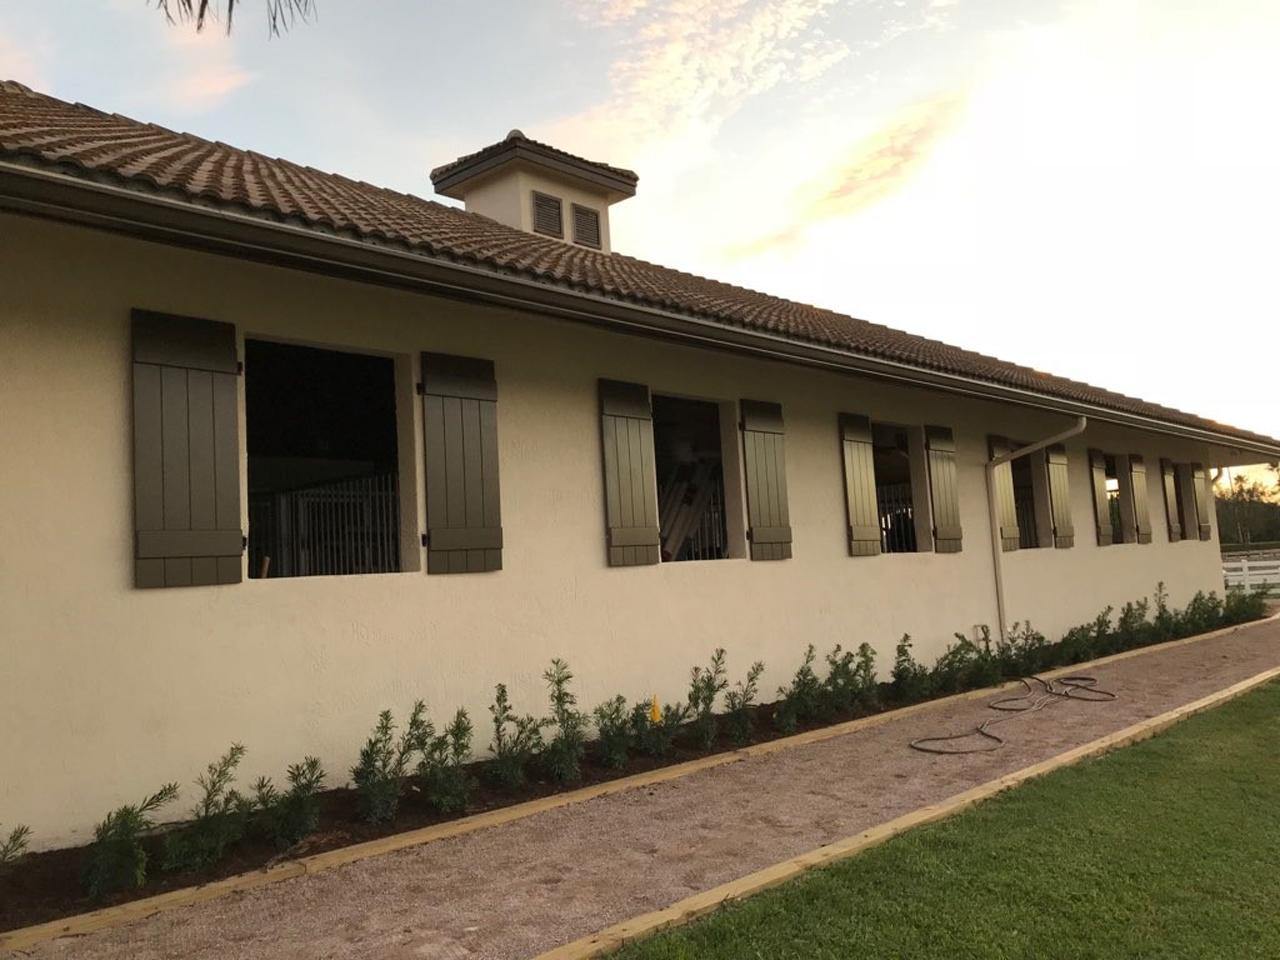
[
  {"x": 244, "y": 543},
  {"x": 426, "y": 539},
  {"x": 419, "y": 388},
  {"x": 239, "y": 368}
]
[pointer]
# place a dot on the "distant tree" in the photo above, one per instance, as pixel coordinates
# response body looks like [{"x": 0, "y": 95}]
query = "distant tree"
[
  {"x": 281, "y": 14},
  {"x": 1247, "y": 513}
]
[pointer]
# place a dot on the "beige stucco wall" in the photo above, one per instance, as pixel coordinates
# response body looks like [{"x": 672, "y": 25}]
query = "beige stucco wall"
[
  {"x": 108, "y": 691},
  {"x": 508, "y": 198}
]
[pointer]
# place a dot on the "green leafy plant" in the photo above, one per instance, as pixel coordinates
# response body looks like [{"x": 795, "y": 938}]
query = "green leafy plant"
[
  {"x": 705, "y": 686},
  {"x": 910, "y": 679},
  {"x": 516, "y": 741},
  {"x": 657, "y": 737},
  {"x": 1243, "y": 605},
  {"x": 739, "y": 717},
  {"x": 1202, "y": 614},
  {"x": 293, "y": 815},
  {"x": 219, "y": 820},
  {"x": 117, "y": 859},
  {"x": 1023, "y": 652},
  {"x": 563, "y": 754},
  {"x": 1133, "y": 628},
  {"x": 851, "y": 680},
  {"x": 14, "y": 846},
  {"x": 442, "y": 769},
  {"x": 801, "y": 702},
  {"x": 380, "y": 773},
  {"x": 613, "y": 727},
  {"x": 1165, "y": 621}
]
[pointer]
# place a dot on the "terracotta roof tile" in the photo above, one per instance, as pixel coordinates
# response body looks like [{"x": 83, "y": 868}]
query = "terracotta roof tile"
[{"x": 52, "y": 132}]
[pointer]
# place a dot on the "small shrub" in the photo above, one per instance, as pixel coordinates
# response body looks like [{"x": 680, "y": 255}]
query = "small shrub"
[
  {"x": 613, "y": 725},
  {"x": 515, "y": 748},
  {"x": 217, "y": 821},
  {"x": 801, "y": 702},
  {"x": 910, "y": 679},
  {"x": 14, "y": 847},
  {"x": 1023, "y": 652},
  {"x": 295, "y": 814},
  {"x": 705, "y": 685},
  {"x": 442, "y": 769},
  {"x": 379, "y": 774},
  {"x": 656, "y": 735},
  {"x": 1133, "y": 628},
  {"x": 739, "y": 718},
  {"x": 964, "y": 665},
  {"x": 1242, "y": 605},
  {"x": 1165, "y": 622},
  {"x": 851, "y": 680},
  {"x": 563, "y": 755},
  {"x": 117, "y": 860},
  {"x": 1203, "y": 613}
]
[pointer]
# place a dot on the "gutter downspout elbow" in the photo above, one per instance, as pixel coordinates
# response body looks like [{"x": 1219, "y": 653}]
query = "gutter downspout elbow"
[{"x": 997, "y": 552}]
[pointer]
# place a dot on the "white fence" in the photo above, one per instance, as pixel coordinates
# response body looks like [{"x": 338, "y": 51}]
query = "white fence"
[{"x": 1252, "y": 571}]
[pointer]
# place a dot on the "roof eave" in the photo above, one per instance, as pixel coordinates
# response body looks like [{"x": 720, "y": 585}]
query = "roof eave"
[
  {"x": 72, "y": 198},
  {"x": 451, "y": 180}
]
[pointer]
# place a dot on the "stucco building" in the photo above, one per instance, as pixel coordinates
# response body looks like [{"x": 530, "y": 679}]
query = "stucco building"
[{"x": 281, "y": 449}]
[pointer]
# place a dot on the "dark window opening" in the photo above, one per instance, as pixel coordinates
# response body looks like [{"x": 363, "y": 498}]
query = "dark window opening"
[
  {"x": 1113, "y": 500},
  {"x": 1024, "y": 502},
  {"x": 323, "y": 466},
  {"x": 891, "y": 454},
  {"x": 689, "y": 468}
]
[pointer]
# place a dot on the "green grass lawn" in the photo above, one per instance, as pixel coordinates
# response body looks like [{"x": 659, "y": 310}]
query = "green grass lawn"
[{"x": 1170, "y": 848}]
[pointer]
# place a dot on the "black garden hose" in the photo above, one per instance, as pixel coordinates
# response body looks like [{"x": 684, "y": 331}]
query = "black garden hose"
[{"x": 1031, "y": 700}]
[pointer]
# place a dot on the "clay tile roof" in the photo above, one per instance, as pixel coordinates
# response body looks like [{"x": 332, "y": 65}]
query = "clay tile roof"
[{"x": 39, "y": 129}]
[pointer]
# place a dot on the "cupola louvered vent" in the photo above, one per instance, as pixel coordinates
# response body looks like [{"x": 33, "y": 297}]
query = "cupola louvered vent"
[
  {"x": 586, "y": 226},
  {"x": 547, "y": 215}
]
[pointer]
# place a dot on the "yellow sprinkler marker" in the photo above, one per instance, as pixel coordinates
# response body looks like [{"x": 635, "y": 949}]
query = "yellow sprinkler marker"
[{"x": 655, "y": 711}]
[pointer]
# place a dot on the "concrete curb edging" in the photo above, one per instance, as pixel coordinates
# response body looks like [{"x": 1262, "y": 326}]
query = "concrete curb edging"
[
  {"x": 107, "y": 917},
  {"x": 700, "y": 904}
]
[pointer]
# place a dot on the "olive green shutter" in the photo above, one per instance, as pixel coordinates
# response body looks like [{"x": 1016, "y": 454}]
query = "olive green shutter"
[
  {"x": 1141, "y": 505},
  {"x": 765, "y": 465},
  {"x": 944, "y": 490},
  {"x": 1101, "y": 506},
  {"x": 1064, "y": 532},
  {"x": 186, "y": 452},
  {"x": 460, "y": 430},
  {"x": 1202, "y": 500},
  {"x": 1171, "y": 500},
  {"x": 1002, "y": 478},
  {"x": 630, "y": 480},
  {"x": 861, "y": 512}
]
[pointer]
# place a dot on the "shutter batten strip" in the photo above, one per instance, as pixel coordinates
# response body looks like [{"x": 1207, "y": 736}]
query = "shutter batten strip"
[
  {"x": 944, "y": 494},
  {"x": 765, "y": 470},
  {"x": 1141, "y": 498},
  {"x": 630, "y": 475},
  {"x": 861, "y": 510},
  {"x": 1200, "y": 481},
  {"x": 1170, "y": 484},
  {"x": 1101, "y": 505},
  {"x": 186, "y": 452},
  {"x": 460, "y": 425},
  {"x": 1006, "y": 503},
  {"x": 1064, "y": 533}
]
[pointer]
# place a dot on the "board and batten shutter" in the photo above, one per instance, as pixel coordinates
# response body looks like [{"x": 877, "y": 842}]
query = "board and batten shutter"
[
  {"x": 460, "y": 432},
  {"x": 861, "y": 511},
  {"x": 1141, "y": 499},
  {"x": 1101, "y": 505},
  {"x": 1006, "y": 504},
  {"x": 630, "y": 474},
  {"x": 1064, "y": 531},
  {"x": 944, "y": 489},
  {"x": 765, "y": 466},
  {"x": 1200, "y": 482},
  {"x": 186, "y": 452},
  {"x": 1170, "y": 485}
]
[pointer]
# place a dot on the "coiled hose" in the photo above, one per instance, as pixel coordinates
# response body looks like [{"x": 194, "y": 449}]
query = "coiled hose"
[{"x": 1033, "y": 699}]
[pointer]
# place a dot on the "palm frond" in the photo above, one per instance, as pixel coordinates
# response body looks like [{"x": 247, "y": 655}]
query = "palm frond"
[{"x": 281, "y": 14}]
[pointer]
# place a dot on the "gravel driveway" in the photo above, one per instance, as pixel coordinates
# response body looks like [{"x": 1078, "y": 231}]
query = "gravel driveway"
[{"x": 510, "y": 892}]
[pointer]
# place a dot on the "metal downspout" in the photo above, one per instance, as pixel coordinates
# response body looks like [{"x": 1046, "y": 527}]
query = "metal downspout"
[{"x": 997, "y": 552}]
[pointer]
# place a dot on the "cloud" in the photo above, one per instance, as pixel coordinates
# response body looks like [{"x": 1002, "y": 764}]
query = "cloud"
[
  {"x": 869, "y": 170},
  {"x": 691, "y": 64},
  {"x": 19, "y": 62},
  {"x": 205, "y": 69}
]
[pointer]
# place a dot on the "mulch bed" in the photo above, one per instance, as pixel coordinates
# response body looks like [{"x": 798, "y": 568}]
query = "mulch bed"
[{"x": 47, "y": 886}]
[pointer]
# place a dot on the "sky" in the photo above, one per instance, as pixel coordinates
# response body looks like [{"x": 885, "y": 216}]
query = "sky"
[{"x": 1088, "y": 188}]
